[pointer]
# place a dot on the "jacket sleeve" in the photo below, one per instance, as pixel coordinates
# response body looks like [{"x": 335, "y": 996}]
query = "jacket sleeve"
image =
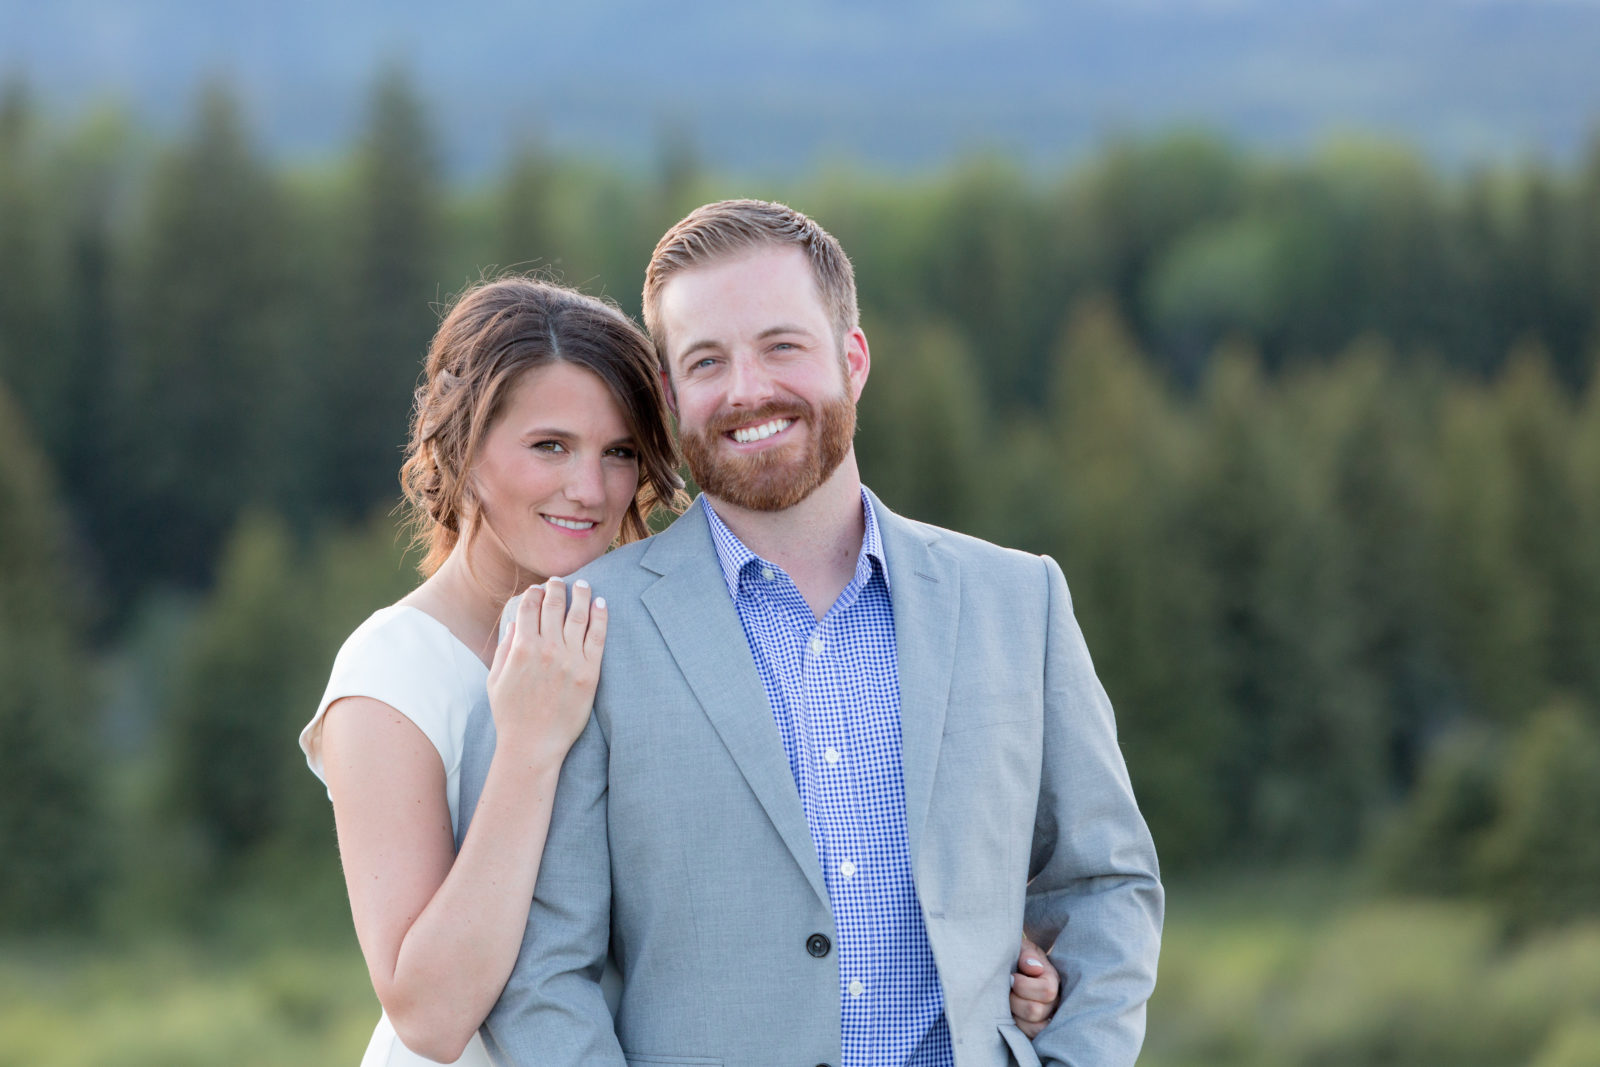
[
  {"x": 1094, "y": 893},
  {"x": 553, "y": 1011}
]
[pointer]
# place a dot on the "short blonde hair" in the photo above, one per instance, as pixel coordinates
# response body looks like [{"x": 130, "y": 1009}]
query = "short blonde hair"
[{"x": 730, "y": 228}]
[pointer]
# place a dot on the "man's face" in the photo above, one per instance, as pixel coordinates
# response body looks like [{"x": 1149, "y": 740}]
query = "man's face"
[{"x": 764, "y": 395}]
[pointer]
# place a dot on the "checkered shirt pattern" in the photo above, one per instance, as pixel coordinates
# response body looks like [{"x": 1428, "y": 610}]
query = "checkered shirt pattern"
[{"x": 834, "y": 687}]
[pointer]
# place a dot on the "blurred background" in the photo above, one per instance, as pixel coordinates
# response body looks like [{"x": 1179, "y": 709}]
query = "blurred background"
[{"x": 1276, "y": 324}]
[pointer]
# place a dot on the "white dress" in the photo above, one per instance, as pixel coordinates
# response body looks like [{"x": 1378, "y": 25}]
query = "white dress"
[{"x": 412, "y": 662}]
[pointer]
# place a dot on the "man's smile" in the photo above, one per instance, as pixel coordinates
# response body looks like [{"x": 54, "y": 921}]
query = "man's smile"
[{"x": 761, "y": 431}]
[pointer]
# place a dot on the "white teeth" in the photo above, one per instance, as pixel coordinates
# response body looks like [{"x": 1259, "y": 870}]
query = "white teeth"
[
  {"x": 762, "y": 432},
  {"x": 568, "y": 524}
]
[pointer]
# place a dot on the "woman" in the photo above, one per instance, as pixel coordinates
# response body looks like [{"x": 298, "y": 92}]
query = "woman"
[{"x": 540, "y": 437}]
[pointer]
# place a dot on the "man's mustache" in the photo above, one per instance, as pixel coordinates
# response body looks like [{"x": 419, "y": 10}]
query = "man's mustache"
[{"x": 793, "y": 408}]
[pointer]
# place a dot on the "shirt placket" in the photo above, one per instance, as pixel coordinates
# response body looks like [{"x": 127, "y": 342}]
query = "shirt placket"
[{"x": 834, "y": 698}]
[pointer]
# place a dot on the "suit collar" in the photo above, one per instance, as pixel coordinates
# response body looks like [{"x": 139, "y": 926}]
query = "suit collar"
[
  {"x": 735, "y": 557},
  {"x": 700, "y": 625},
  {"x": 927, "y": 607}
]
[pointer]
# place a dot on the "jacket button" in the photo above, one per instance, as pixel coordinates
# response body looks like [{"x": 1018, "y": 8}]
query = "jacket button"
[{"x": 818, "y": 945}]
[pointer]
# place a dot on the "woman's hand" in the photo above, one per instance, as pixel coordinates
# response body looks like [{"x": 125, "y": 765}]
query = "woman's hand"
[
  {"x": 1035, "y": 989},
  {"x": 542, "y": 680}
]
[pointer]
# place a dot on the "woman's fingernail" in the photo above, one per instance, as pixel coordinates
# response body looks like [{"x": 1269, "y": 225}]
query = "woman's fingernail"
[
  {"x": 1013, "y": 981},
  {"x": 581, "y": 583},
  {"x": 1033, "y": 962},
  {"x": 556, "y": 579},
  {"x": 599, "y": 601}
]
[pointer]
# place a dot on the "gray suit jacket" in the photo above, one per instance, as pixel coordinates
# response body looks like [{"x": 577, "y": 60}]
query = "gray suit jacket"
[{"x": 678, "y": 846}]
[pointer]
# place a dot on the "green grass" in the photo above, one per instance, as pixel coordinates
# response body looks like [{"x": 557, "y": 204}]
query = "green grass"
[
  {"x": 174, "y": 1005},
  {"x": 1300, "y": 970},
  {"x": 1282, "y": 973}
]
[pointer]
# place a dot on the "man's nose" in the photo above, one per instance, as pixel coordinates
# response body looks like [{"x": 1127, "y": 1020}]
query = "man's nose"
[{"x": 749, "y": 384}]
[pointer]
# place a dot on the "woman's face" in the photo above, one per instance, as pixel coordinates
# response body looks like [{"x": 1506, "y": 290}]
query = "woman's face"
[{"x": 556, "y": 472}]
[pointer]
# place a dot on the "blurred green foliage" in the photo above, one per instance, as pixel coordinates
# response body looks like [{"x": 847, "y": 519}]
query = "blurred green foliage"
[
  {"x": 1296, "y": 971},
  {"x": 1317, "y": 444},
  {"x": 51, "y": 761},
  {"x": 1280, "y": 970}
]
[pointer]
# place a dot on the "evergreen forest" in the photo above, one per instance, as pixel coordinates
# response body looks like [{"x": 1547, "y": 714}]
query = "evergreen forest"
[{"x": 1315, "y": 439}]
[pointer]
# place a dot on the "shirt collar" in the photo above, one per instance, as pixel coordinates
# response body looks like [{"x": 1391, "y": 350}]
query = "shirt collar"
[{"x": 734, "y": 557}]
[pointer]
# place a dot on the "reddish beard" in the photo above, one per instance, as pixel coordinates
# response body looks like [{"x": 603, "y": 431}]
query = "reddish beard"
[{"x": 774, "y": 478}]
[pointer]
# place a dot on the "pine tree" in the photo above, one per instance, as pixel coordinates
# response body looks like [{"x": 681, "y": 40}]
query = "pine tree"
[
  {"x": 231, "y": 759},
  {"x": 385, "y": 306},
  {"x": 1541, "y": 858},
  {"x": 1307, "y": 767},
  {"x": 525, "y": 236},
  {"x": 28, "y": 340},
  {"x": 1376, "y": 420},
  {"x": 921, "y": 430},
  {"x": 1493, "y": 612},
  {"x": 1553, "y": 529},
  {"x": 1585, "y": 474},
  {"x": 1117, "y": 477},
  {"x": 210, "y": 353},
  {"x": 50, "y": 835}
]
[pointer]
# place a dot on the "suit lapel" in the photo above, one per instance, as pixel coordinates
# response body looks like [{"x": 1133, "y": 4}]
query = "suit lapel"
[
  {"x": 700, "y": 625},
  {"x": 926, "y": 588}
]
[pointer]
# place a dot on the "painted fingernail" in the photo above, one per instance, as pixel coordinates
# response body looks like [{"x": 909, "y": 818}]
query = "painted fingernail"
[
  {"x": 1013, "y": 981},
  {"x": 556, "y": 579},
  {"x": 1033, "y": 962},
  {"x": 599, "y": 601},
  {"x": 581, "y": 583}
]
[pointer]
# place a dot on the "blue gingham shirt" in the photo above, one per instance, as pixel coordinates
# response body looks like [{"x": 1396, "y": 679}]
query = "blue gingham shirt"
[{"x": 834, "y": 687}]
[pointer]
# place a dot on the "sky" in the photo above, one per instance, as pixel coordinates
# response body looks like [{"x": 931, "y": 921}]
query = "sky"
[{"x": 893, "y": 84}]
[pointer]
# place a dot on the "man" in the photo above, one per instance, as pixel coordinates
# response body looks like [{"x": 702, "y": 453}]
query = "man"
[{"x": 838, "y": 760}]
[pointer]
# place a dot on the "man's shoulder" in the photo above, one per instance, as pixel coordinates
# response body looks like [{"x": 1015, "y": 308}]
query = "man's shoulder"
[
  {"x": 626, "y": 569},
  {"x": 618, "y": 569},
  {"x": 974, "y": 552},
  {"x": 616, "y": 563}
]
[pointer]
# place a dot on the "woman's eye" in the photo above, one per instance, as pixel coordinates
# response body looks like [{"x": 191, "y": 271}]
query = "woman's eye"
[
  {"x": 623, "y": 452},
  {"x": 550, "y": 446}
]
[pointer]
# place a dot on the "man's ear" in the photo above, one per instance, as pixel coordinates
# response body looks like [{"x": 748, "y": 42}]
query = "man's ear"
[
  {"x": 666, "y": 387},
  {"x": 857, "y": 361}
]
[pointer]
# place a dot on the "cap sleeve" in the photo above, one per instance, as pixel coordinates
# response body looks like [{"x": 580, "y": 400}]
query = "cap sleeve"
[{"x": 407, "y": 660}]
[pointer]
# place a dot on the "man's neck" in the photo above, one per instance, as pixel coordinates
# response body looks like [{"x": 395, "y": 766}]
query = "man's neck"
[{"x": 816, "y": 542}]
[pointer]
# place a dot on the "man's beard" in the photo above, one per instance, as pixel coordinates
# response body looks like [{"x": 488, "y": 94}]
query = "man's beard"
[{"x": 772, "y": 479}]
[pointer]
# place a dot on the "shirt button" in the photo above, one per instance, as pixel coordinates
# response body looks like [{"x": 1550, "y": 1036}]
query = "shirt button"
[
  {"x": 766, "y": 572},
  {"x": 816, "y": 645},
  {"x": 847, "y": 868},
  {"x": 856, "y": 988},
  {"x": 818, "y": 945},
  {"x": 831, "y": 755}
]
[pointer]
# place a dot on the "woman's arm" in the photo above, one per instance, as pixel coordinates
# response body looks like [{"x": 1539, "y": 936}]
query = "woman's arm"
[{"x": 440, "y": 932}]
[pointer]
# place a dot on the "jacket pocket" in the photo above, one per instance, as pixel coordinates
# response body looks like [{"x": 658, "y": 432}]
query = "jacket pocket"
[
  {"x": 641, "y": 1060},
  {"x": 1022, "y": 1053}
]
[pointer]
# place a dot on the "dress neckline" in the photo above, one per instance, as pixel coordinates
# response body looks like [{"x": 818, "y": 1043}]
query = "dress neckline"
[{"x": 451, "y": 634}]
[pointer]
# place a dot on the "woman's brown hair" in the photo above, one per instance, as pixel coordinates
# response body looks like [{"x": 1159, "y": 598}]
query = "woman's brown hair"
[{"x": 494, "y": 333}]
